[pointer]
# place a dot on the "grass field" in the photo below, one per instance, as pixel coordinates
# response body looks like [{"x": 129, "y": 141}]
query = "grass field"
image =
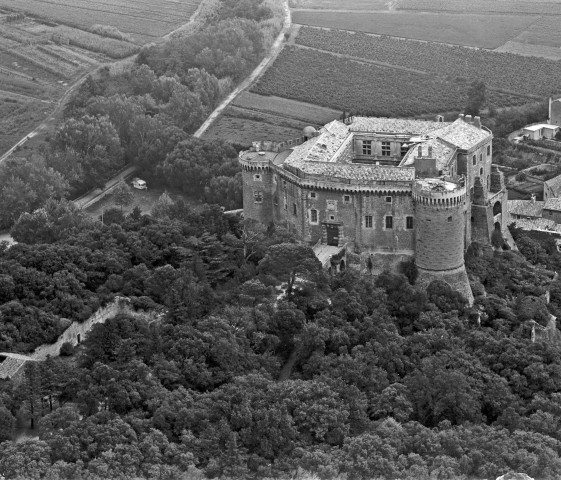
[
  {"x": 547, "y": 7},
  {"x": 545, "y": 31},
  {"x": 341, "y": 4},
  {"x": 145, "y": 20},
  {"x": 488, "y": 31}
]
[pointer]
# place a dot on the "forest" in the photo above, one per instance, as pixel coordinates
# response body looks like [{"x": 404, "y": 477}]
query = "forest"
[
  {"x": 339, "y": 376},
  {"x": 144, "y": 115}
]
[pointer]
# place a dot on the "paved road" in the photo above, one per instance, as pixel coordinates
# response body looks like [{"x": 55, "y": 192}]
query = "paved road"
[
  {"x": 93, "y": 196},
  {"x": 265, "y": 63}
]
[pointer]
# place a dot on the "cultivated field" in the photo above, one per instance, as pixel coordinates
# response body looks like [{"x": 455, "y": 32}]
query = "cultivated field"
[
  {"x": 548, "y": 7},
  {"x": 529, "y": 50},
  {"x": 341, "y": 4},
  {"x": 283, "y": 107},
  {"x": 254, "y": 117},
  {"x": 145, "y": 20},
  {"x": 324, "y": 79},
  {"x": 488, "y": 31},
  {"x": 501, "y": 71}
]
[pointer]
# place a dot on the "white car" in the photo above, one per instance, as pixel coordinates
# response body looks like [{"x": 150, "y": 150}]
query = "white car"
[{"x": 138, "y": 183}]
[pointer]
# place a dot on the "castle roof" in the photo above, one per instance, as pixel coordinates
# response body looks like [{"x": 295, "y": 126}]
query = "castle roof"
[
  {"x": 394, "y": 125},
  {"x": 359, "y": 173},
  {"x": 462, "y": 134},
  {"x": 526, "y": 208},
  {"x": 553, "y": 204},
  {"x": 442, "y": 151}
]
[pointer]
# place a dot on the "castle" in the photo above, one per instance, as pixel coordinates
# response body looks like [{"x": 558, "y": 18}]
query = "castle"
[{"x": 382, "y": 186}]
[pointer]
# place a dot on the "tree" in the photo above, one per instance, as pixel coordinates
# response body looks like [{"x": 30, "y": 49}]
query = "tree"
[
  {"x": 476, "y": 98},
  {"x": 123, "y": 194},
  {"x": 290, "y": 261},
  {"x": 162, "y": 207}
]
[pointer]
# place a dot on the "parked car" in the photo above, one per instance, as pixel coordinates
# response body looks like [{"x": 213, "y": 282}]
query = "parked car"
[{"x": 138, "y": 183}]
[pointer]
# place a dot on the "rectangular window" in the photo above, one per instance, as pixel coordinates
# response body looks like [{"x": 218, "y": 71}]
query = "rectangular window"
[
  {"x": 367, "y": 147},
  {"x": 285, "y": 202},
  {"x": 386, "y": 149},
  {"x": 368, "y": 221},
  {"x": 347, "y": 198},
  {"x": 409, "y": 223},
  {"x": 474, "y": 159},
  {"x": 388, "y": 199},
  {"x": 294, "y": 211},
  {"x": 488, "y": 150},
  {"x": 313, "y": 216},
  {"x": 312, "y": 194},
  {"x": 389, "y": 222},
  {"x": 257, "y": 197},
  {"x": 257, "y": 177}
]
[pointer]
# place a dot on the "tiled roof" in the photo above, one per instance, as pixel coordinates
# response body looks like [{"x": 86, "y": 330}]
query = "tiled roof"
[
  {"x": 357, "y": 172},
  {"x": 323, "y": 147},
  {"x": 527, "y": 208},
  {"x": 395, "y": 125},
  {"x": 554, "y": 183},
  {"x": 442, "y": 151},
  {"x": 553, "y": 204},
  {"x": 537, "y": 224},
  {"x": 462, "y": 134}
]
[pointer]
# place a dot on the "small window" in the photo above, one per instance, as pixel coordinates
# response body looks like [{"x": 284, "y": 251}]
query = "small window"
[
  {"x": 368, "y": 221},
  {"x": 409, "y": 223},
  {"x": 285, "y": 202},
  {"x": 284, "y": 183},
  {"x": 386, "y": 149},
  {"x": 389, "y": 222},
  {"x": 488, "y": 150},
  {"x": 474, "y": 159},
  {"x": 388, "y": 199},
  {"x": 257, "y": 177},
  {"x": 275, "y": 178},
  {"x": 258, "y": 197},
  {"x": 331, "y": 217},
  {"x": 481, "y": 171},
  {"x": 312, "y": 194},
  {"x": 313, "y": 216},
  {"x": 550, "y": 213},
  {"x": 449, "y": 219},
  {"x": 347, "y": 198},
  {"x": 294, "y": 211},
  {"x": 480, "y": 157},
  {"x": 404, "y": 149},
  {"x": 367, "y": 147}
]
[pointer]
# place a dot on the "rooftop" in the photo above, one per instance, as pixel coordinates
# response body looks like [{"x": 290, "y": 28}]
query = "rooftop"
[
  {"x": 534, "y": 128},
  {"x": 554, "y": 183},
  {"x": 441, "y": 151},
  {"x": 527, "y": 208},
  {"x": 435, "y": 185},
  {"x": 394, "y": 125},
  {"x": 537, "y": 224},
  {"x": 553, "y": 204},
  {"x": 462, "y": 134}
]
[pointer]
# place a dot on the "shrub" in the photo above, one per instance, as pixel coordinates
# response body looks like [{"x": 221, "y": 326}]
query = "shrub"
[{"x": 67, "y": 349}]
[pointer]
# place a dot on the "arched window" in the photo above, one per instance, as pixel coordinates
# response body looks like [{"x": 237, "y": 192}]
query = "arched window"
[{"x": 497, "y": 208}]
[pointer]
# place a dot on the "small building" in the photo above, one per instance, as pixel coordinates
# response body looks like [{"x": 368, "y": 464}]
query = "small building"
[
  {"x": 552, "y": 188},
  {"x": 552, "y": 210},
  {"x": 138, "y": 183},
  {"x": 542, "y": 130},
  {"x": 525, "y": 209}
]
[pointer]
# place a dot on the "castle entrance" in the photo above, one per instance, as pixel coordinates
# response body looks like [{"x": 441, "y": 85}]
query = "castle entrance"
[{"x": 332, "y": 235}]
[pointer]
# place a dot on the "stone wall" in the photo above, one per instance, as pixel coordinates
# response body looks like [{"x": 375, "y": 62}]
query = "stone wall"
[
  {"x": 254, "y": 181},
  {"x": 456, "y": 278}
]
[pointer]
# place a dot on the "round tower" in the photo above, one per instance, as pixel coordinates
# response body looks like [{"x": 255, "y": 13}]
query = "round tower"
[
  {"x": 440, "y": 214},
  {"x": 257, "y": 179}
]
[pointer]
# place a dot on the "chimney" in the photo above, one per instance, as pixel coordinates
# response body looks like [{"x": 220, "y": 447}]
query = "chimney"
[
  {"x": 461, "y": 116},
  {"x": 477, "y": 122},
  {"x": 533, "y": 198},
  {"x": 468, "y": 118},
  {"x": 430, "y": 151},
  {"x": 420, "y": 150}
]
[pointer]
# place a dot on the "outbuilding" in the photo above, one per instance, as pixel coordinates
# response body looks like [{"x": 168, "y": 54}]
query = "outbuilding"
[
  {"x": 542, "y": 130},
  {"x": 138, "y": 183}
]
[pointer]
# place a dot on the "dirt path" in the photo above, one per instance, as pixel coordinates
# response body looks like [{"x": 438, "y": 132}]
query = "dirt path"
[{"x": 265, "y": 63}]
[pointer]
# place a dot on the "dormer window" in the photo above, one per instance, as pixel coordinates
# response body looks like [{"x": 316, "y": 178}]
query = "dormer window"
[
  {"x": 386, "y": 149},
  {"x": 367, "y": 147}
]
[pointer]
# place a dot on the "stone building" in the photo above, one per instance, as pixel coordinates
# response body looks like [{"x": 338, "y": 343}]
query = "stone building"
[{"x": 382, "y": 186}]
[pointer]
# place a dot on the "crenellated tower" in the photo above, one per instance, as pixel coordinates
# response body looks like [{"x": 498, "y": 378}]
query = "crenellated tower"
[{"x": 440, "y": 214}]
